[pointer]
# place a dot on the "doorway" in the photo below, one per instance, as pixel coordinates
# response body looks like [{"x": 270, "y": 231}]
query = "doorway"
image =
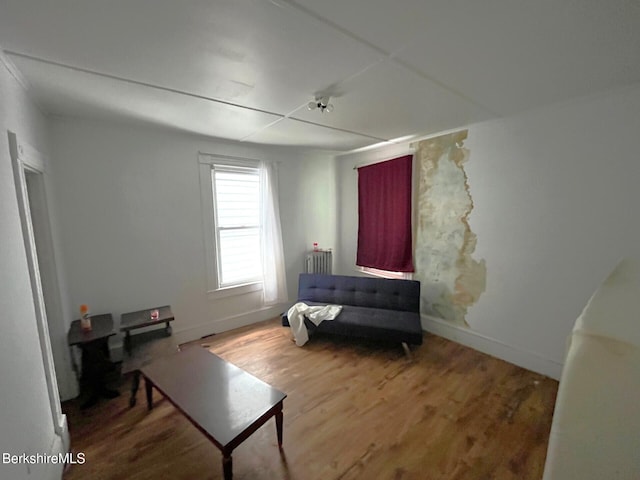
[{"x": 29, "y": 170}]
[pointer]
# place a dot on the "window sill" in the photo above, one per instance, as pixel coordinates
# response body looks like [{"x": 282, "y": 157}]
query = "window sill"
[
  {"x": 384, "y": 273},
  {"x": 235, "y": 290}
]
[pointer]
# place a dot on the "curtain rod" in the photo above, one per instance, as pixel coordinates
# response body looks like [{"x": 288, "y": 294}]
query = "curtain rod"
[
  {"x": 373, "y": 162},
  {"x": 233, "y": 158}
]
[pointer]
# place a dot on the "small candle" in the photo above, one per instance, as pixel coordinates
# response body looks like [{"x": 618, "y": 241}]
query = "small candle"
[{"x": 155, "y": 314}]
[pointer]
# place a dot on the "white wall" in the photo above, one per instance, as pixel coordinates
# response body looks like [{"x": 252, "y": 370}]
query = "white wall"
[
  {"x": 131, "y": 221},
  {"x": 26, "y": 421},
  {"x": 555, "y": 192},
  {"x": 308, "y": 206}
]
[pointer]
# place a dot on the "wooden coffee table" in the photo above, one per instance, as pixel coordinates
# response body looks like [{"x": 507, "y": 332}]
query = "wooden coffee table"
[{"x": 221, "y": 400}]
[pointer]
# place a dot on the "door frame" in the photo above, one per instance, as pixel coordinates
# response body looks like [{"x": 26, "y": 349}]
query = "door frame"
[{"x": 25, "y": 158}]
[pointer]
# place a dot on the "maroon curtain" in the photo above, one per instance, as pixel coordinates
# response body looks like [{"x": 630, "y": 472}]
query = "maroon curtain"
[{"x": 384, "y": 215}]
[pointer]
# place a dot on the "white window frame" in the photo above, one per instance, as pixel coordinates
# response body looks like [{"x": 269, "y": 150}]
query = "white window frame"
[
  {"x": 206, "y": 163},
  {"x": 253, "y": 171}
]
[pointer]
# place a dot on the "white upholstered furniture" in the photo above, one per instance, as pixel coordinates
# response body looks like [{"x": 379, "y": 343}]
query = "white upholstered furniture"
[{"x": 595, "y": 432}]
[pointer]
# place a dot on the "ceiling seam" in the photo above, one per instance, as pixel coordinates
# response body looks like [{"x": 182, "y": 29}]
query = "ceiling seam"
[
  {"x": 182, "y": 92},
  {"x": 268, "y": 125},
  {"x": 388, "y": 56},
  {"x": 337, "y": 129},
  {"x": 335, "y": 26},
  {"x": 420, "y": 73},
  {"x": 392, "y": 56},
  {"x": 328, "y": 91},
  {"x": 139, "y": 82},
  {"x": 308, "y": 122}
]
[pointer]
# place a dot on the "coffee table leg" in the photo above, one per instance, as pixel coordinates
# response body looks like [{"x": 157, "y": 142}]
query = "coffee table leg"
[
  {"x": 135, "y": 383},
  {"x": 227, "y": 465},
  {"x": 147, "y": 386},
  {"x": 279, "y": 417}
]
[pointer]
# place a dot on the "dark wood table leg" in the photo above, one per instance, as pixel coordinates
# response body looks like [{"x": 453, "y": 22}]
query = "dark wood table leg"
[
  {"x": 168, "y": 328},
  {"x": 74, "y": 364},
  {"x": 135, "y": 383},
  {"x": 127, "y": 342},
  {"x": 279, "y": 418},
  {"x": 148, "y": 385},
  {"x": 227, "y": 465},
  {"x": 96, "y": 364}
]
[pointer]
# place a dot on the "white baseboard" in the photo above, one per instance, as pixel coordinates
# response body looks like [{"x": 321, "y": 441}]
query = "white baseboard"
[
  {"x": 229, "y": 323},
  {"x": 50, "y": 471},
  {"x": 493, "y": 347},
  {"x": 62, "y": 429}
]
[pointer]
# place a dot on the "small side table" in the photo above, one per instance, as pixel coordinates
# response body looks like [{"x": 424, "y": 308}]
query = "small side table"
[
  {"x": 141, "y": 349},
  {"x": 96, "y": 359},
  {"x": 142, "y": 318}
]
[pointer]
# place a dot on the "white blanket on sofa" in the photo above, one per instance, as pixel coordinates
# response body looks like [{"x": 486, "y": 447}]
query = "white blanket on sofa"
[{"x": 315, "y": 313}]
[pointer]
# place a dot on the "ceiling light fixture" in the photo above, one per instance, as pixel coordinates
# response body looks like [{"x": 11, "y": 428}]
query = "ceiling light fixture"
[{"x": 322, "y": 104}]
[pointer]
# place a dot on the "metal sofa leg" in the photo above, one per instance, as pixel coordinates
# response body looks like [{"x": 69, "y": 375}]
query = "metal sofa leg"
[{"x": 407, "y": 352}]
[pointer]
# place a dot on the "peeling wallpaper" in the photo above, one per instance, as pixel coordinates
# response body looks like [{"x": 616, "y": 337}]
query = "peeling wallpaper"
[
  {"x": 451, "y": 278},
  {"x": 549, "y": 189}
]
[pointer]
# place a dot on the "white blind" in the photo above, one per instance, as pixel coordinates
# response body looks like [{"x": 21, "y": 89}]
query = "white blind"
[{"x": 237, "y": 209}]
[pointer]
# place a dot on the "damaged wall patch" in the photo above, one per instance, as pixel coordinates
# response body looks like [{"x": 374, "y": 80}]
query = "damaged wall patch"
[{"x": 451, "y": 279}]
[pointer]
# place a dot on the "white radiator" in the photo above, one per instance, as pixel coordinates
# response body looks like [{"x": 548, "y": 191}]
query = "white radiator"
[{"x": 319, "y": 262}]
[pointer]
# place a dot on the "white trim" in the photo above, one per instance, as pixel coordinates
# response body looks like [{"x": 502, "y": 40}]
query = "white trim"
[
  {"x": 491, "y": 346},
  {"x": 50, "y": 471},
  {"x": 215, "y": 159},
  {"x": 26, "y": 158},
  {"x": 385, "y": 156},
  {"x": 247, "y": 171},
  {"x": 206, "y": 161},
  {"x": 53, "y": 471},
  {"x": 13, "y": 70},
  {"x": 228, "y": 323},
  {"x": 234, "y": 290},
  {"x": 376, "y": 272},
  {"x": 22, "y": 80},
  {"x": 208, "y": 227}
]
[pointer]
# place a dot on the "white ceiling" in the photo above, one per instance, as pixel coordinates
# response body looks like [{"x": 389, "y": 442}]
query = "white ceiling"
[{"x": 246, "y": 69}]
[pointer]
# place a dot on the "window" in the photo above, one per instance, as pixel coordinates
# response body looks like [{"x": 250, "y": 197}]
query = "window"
[
  {"x": 241, "y": 226},
  {"x": 236, "y": 205},
  {"x": 385, "y": 238},
  {"x": 385, "y": 273}
]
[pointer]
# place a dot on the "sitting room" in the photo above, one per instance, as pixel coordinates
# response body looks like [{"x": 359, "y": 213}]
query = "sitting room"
[{"x": 401, "y": 234}]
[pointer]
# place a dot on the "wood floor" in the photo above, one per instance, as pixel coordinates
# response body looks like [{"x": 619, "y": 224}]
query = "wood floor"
[{"x": 354, "y": 410}]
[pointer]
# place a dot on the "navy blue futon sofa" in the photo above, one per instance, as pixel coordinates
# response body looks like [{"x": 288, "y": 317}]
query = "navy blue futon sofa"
[{"x": 373, "y": 308}]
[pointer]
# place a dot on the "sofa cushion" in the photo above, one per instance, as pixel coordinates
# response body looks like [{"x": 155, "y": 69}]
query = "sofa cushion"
[
  {"x": 397, "y": 295},
  {"x": 373, "y": 323}
]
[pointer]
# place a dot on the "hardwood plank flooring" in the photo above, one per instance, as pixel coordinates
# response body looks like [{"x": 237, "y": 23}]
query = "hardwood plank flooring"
[{"x": 354, "y": 410}]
